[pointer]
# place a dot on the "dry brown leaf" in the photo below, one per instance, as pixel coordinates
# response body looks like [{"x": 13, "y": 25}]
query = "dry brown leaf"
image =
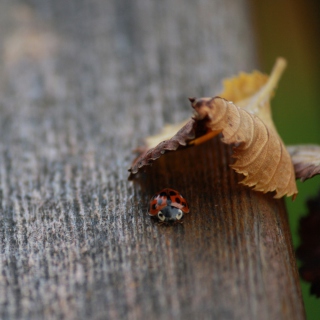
[
  {"x": 147, "y": 156},
  {"x": 245, "y": 123},
  {"x": 189, "y": 132},
  {"x": 259, "y": 152},
  {"x": 306, "y": 160}
]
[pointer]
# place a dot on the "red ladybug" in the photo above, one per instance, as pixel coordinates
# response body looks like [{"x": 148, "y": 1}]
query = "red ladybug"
[{"x": 168, "y": 205}]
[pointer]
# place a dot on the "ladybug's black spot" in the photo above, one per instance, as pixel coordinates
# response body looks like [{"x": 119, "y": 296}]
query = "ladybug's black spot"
[
  {"x": 172, "y": 193},
  {"x": 184, "y": 204},
  {"x": 163, "y": 194},
  {"x": 154, "y": 206},
  {"x": 177, "y": 200}
]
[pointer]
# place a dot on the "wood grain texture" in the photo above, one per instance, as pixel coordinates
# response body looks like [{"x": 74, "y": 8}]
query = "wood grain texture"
[{"x": 81, "y": 82}]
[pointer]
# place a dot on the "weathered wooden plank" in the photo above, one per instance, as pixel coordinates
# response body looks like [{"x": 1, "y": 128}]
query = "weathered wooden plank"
[
  {"x": 81, "y": 83},
  {"x": 237, "y": 239}
]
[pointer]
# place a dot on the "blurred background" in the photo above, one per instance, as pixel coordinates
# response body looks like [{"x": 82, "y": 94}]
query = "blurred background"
[{"x": 291, "y": 29}]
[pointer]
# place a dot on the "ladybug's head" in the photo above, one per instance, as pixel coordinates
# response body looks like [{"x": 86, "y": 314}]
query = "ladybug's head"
[{"x": 170, "y": 214}]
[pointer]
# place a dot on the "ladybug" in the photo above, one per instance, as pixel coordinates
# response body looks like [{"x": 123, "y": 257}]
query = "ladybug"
[{"x": 168, "y": 205}]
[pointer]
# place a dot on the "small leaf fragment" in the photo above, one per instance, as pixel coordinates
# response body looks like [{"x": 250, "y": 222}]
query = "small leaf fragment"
[{"x": 306, "y": 160}]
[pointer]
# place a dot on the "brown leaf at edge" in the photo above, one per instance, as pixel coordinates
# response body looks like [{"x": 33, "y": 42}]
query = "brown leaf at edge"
[
  {"x": 306, "y": 160},
  {"x": 259, "y": 151}
]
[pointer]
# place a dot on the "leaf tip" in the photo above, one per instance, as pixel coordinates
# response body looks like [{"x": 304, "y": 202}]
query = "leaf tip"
[{"x": 281, "y": 62}]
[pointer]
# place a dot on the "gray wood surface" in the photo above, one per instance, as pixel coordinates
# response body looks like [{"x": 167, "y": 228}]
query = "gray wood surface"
[{"x": 81, "y": 83}]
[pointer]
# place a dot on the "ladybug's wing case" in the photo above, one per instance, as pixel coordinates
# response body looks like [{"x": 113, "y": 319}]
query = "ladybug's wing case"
[
  {"x": 157, "y": 202},
  {"x": 180, "y": 204},
  {"x": 177, "y": 200}
]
